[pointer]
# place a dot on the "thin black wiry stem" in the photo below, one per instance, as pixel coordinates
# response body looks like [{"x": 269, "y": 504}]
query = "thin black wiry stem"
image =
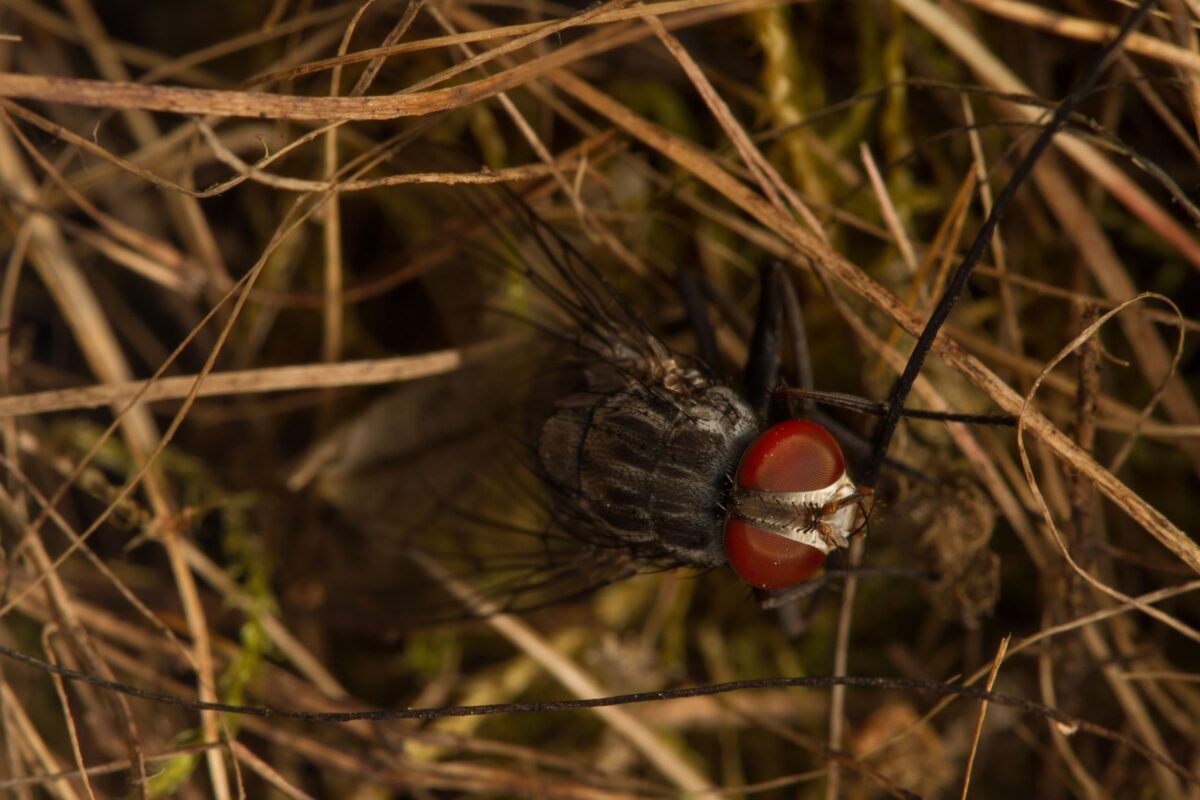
[
  {"x": 887, "y": 428},
  {"x": 874, "y": 407},
  {"x": 853, "y": 681}
]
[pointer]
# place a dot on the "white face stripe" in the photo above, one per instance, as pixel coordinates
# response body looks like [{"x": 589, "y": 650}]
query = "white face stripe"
[{"x": 797, "y": 515}]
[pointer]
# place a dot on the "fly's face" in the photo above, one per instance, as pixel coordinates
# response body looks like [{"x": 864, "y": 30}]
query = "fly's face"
[{"x": 792, "y": 503}]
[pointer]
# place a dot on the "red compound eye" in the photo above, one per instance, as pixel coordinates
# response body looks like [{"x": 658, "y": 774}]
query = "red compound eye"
[{"x": 793, "y": 456}]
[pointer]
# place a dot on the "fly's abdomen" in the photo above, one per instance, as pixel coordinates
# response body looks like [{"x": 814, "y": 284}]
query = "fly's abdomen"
[{"x": 651, "y": 467}]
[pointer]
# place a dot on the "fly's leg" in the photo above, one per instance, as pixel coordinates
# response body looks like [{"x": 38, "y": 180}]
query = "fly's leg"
[
  {"x": 858, "y": 449},
  {"x": 795, "y": 612},
  {"x": 762, "y": 365},
  {"x": 836, "y": 574},
  {"x": 691, "y": 293},
  {"x": 793, "y": 315},
  {"x": 856, "y": 446},
  {"x": 761, "y": 372}
]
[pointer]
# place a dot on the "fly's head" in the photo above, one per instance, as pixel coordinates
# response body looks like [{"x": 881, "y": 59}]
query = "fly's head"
[{"x": 792, "y": 504}]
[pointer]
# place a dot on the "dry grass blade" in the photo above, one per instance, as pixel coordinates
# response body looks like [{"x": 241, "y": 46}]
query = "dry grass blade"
[
  {"x": 1087, "y": 30},
  {"x": 274, "y": 379},
  {"x": 991, "y": 681},
  {"x": 1047, "y": 516}
]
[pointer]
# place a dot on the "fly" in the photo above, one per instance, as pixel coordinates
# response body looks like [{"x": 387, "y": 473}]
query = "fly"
[
  {"x": 650, "y": 457},
  {"x": 629, "y": 457},
  {"x": 654, "y": 461}
]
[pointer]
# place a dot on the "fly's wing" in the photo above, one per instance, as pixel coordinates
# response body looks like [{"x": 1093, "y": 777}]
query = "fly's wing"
[
  {"x": 455, "y": 490},
  {"x": 578, "y": 307},
  {"x": 447, "y": 468}
]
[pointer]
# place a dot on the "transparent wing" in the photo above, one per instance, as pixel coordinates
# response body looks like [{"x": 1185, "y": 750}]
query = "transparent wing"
[{"x": 446, "y": 471}]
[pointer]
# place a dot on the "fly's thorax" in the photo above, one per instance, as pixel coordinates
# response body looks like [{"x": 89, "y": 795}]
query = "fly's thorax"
[{"x": 610, "y": 362}]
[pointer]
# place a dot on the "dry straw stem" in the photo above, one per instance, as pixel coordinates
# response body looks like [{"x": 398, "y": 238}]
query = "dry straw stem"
[
  {"x": 185, "y": 212},
  {"x": 191, "y": 392},
  {"x": 291, "y": 648},
  {"x": 597, "y": 16},
  {"x": 26, "y": 736},
  {"x": 1123, "y": 416},
  {"x": 399, "y": 772},
  {"x": 841, "y": 662},
  {"x": 1087, "y": 30},
  {"x": 1061, "y": 735},
  {"x": 1126, "y": 696},
  {"x": 63, "y": 277},
  {"x": 1050, "y": 290},
  {"x": 1152, "y": 357},
  {"x": 48, "y": 633},
  {"x": 788, "y": 733},
  {"x": 94, "y": 335},
  {"x": 1140, "y": 720},
  {"x": 52, "y": 578},
  {"x": 983, "y": 705},
  {"x": 1044, "y": 508},
  {"x": 261, "y": 768},
  {"x": 261, "y": 105},
  {"x": 1008, "y": 306},
  {"x": 841, "y": 652},
  {"x": 587, "y": 219},
  {"x": 238, "y": 293},
  {"x": 73, "y": 295},
  {"x": 119, "y": 631},
  {"x": 65, "y": 608},
  {"x": 257, "y": 171},
  {"x": 697, "y": 11},
  {"x": 888, "y": 209},
  {"x": 163, "y": 263},
  {"x": 765, "y": 175},
  {"x": 179, "y": 567},
  {"x": 251, "y": 381}
]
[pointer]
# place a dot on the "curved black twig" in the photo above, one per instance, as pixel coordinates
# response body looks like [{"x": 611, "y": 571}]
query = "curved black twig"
[{"x": 1068, "y": 721}]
